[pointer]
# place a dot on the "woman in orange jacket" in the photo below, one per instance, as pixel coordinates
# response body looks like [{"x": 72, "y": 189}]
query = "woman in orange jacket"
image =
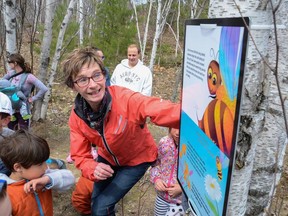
[{"x": 114, "y": 119}]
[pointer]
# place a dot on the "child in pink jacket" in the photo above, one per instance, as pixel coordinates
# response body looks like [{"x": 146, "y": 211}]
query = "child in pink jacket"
[{"x": 164, "y": 176}]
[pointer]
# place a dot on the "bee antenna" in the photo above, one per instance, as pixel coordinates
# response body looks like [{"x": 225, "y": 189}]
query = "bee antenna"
[
  {"x": 212, "y": 53},
  {"x": 217, "y": 55}
]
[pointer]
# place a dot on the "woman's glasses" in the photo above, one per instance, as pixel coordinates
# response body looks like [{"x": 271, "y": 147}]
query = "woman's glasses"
[{"x": 84, "y": 81}]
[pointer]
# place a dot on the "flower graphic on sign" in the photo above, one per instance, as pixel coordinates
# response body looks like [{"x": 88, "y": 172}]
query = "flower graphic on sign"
[{"x": 213, "y": 189}]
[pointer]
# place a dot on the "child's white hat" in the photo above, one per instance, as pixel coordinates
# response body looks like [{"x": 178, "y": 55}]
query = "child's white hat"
[{"x": 5, "y": 104}]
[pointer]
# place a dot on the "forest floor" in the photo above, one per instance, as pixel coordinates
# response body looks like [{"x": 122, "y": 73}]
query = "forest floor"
[{"x": 140, "y": 200}]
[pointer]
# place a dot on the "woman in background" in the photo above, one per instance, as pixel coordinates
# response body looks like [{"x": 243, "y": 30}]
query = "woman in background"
[{"x": 20, "y": 75}]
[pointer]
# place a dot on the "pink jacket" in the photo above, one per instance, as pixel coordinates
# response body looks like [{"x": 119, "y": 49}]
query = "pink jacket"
[
  {"x": 126, "y": 140},
  {"x": 166, "y": 167}
]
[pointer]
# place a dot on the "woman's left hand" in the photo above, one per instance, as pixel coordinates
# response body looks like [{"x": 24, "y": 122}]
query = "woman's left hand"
[
  {"x": 30, "y": 100},
  {"x": 103, "y": 171}
]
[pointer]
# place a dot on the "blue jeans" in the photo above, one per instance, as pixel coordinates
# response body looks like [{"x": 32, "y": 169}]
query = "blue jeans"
[{"x": 108, "y": 192}]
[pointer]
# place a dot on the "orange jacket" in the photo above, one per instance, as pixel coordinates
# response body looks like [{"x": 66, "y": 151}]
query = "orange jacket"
[
  {"x": 26, "y": 204},
  {"x": 81, "y": 196},
  {"x": 126, "y": 140}
]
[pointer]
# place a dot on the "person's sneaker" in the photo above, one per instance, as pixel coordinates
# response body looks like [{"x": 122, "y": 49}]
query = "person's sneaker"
[
  {"x": 69, "y": 159},
  {"x": 26, "y": 117},
  {"x": 13, "y": 118},
  {"x": 61, "y": 164}
]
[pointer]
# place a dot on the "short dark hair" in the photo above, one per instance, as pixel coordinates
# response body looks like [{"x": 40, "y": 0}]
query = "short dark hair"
[
  {"x": 24, "y": 148},
  {"x": 4, "y": 115}
]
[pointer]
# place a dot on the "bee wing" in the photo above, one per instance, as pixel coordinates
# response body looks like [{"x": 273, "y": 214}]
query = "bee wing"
[
  {"x": 224, "y": 161},
  {"x": 230, "y": 58}
]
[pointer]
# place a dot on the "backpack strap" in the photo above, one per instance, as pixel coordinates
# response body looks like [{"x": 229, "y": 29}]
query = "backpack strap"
[
  {"x": 39, "y": 204},
  {"x": 15, "y": 74},
  {"x": 23, "y": 80}
]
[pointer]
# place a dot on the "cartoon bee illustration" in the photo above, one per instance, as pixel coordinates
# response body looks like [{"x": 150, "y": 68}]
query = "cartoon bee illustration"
[
  {"x": 219, "y": 168},
  {"x": 223, "y": 79},
  {"x": 217, "y": 121}
]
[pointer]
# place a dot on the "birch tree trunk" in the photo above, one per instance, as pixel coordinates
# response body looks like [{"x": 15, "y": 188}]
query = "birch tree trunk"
[
  {"x": 177, "y": 30},
  {"x": 37, "y": 8},
  {"x": 262, "y": 139},
  {"x": 10, "y": 26},
  {"x": 160, "y": 22},
  {"x": 45, "y": 51},
  {"x": 137, "y": 24},
  {"x": 193, "y": 8},
  {"x": 146, "y": 31},
  {"x": 2, "y": 29},
  {"x": 56, "y": 57},
  {"x": 81, "y": 22},
  {"x": 157, "y": 35}
]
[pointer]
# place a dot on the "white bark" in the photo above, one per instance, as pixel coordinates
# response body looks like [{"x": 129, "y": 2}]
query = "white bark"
[
  {"x": 57, "y": 57},
  {"x": 36, "y": 15},
  {"x": 157, "y": 35},
  {"x": 2, "y": 28},
  {"x": 193, "y": 8},
  {"x": 261, "y": 134},
  {"x": 176, "y": 39},
  {"x": 197, "y": 9},
  {"x": 160, "y": 22},
  {"x": 10, "y": 25},
  {"x": 177, "y": 30},
  {"x": 146, "y": 31},
  {"x": 45, "y": 51},
  {"x": 91, "y": 15},
  {"x": 137, "y": 24},
  {"x": 81, "y": 22}
]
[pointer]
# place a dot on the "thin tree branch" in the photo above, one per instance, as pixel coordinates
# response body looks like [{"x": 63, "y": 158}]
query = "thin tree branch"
[
  {"x": 274, "y": 11},
  {"x": 249, "y": 32},
  {"x": 178, "y": 45}
]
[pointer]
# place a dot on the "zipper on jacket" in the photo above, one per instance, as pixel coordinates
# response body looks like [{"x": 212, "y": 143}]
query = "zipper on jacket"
[
  {"x": 104, "y": 140},
  {"x": 108, "y": 149}
]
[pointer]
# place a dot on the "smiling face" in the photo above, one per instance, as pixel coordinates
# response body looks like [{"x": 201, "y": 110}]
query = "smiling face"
[
  {"x": 213, "y": 77},
  {"x": 133, "y": 56},
  {"x": 94, "y": 92}
]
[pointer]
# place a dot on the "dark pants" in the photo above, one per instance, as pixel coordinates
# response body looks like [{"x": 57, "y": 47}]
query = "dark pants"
[
  {"x": 19, "y": 123},
  {"x": 3, "y": 169},
  {"x": 108, "y": 192}
]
